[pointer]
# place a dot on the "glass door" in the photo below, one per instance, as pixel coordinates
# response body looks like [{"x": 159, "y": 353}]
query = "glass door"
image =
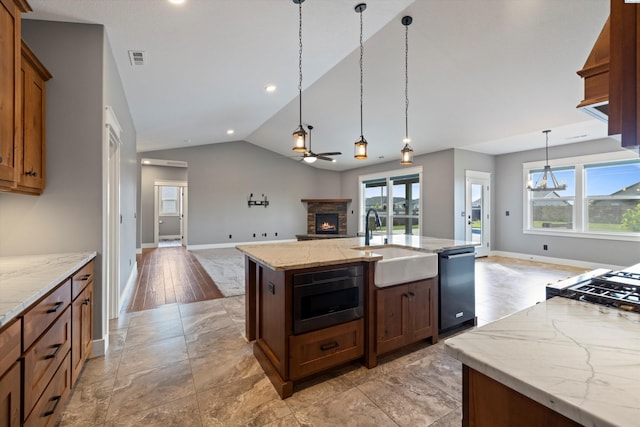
[{"x": 477, "y": 211}]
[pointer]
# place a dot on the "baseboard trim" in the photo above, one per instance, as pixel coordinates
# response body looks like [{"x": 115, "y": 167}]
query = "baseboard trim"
[
  {"x": 170, "y": 237},
  {"x": 99, "y": 347},
  {"x": 234, "y": 244},
  {"x": 559, "y": 261},
  {"x": 148, "y": 246},
  {"x": 138, "y": 251}
]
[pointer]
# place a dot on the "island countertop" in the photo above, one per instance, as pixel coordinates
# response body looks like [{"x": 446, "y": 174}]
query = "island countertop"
[
  {"x": 578, "y": 359},
  {"x": 316, "y": 253},
  {"x": 24, "y": 279}
]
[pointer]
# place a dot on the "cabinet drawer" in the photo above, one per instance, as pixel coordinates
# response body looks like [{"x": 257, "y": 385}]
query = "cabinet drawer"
[
  {"x": 319, "y": 350},
  {"x": 81, "y": 279},
  {"x": 49, "y": 407},
  {"x": 9, "y": 346},
  {"x": 43, "y": 359},
  {"x": 38, "y": 319}
]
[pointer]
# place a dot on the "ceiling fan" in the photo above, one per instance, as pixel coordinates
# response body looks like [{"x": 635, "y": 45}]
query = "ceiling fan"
[{"x": 311, "y": 157}]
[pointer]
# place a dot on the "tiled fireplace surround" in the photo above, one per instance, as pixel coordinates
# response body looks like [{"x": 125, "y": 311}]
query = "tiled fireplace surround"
[{"x": 338, "y": 206}]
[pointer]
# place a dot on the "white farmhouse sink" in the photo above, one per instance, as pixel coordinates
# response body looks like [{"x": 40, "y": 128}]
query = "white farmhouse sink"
[{"x": 400, "y": 265}]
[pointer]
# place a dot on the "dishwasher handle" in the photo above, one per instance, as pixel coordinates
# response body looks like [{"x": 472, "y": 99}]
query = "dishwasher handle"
[{"x": 456, "y": 256}]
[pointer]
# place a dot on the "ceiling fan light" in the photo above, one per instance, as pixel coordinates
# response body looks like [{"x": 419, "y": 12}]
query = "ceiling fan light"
[
  {"x": 310, "y": 159},
  {"x": 407, "y": 155},
  {"x": 360, "y": 148},
  {"x": 300, "y": 140}
]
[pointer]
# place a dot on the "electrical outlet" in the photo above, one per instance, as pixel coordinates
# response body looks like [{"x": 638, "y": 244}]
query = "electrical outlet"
[
  {"x": 230, "y": 236},
  {"x": 545, "y": 247},
  {"x": 506, "y": 213},
  {"x": 254, "y": 234},
  {"x": 276, "y": 234}
]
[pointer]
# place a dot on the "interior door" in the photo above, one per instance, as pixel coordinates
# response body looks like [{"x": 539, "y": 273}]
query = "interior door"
[{"x": 478, "y": 211}]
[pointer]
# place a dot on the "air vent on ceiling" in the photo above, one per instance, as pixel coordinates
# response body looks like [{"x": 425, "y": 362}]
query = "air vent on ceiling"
[{"x": 136, "y": 57}]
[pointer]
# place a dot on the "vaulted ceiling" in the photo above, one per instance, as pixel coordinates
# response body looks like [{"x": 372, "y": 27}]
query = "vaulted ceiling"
[{"x": 485, "y": 76}]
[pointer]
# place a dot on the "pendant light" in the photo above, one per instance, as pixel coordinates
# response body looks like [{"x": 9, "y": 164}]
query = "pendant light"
[
  {"x": 407, "y": 151},
  {"x": 360, "y": 146},
  {"x": 542, "y": 184},
  {"x": 299, "y": 135}
]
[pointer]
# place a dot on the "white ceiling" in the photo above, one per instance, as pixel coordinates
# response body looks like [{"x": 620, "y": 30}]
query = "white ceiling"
[{"x": 486, "y": 76}]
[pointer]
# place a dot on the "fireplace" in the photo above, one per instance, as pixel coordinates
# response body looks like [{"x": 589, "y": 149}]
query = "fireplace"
[{"x": 327, "y": 223}]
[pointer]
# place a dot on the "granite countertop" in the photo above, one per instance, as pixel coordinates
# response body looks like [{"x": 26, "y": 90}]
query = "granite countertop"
[
  {"x": 578, "y": 359},
  {"x": 316, "y": 253},
  {"x": 24, "y": 279}
]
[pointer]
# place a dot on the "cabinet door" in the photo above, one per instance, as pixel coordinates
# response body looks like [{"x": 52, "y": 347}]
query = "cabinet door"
[
  {"x": 31, "y": 151},
  {"x": 422, "y": 313},
  {"x": 392, "y": 317},
  {"x": 81, "y": 330},
  {"x": 10, "y": 397},
  {"x": 9, "y": 84}
]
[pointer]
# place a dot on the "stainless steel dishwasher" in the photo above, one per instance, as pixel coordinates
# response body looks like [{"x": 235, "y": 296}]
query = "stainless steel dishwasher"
[{"x": 456, "y": 288}]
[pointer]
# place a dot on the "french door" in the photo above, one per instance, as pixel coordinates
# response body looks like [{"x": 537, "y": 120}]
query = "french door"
[{"x": 478, "y": 211}]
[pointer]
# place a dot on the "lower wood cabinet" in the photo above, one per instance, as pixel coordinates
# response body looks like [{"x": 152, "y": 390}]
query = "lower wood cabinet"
[
  {"x": 323, "y": 349},
  {"x": 46, "y": 411},
  {"x": 405, "y": 314},
  {"x": 81, "y": 330},
  {"x": 10, "y": 382}
]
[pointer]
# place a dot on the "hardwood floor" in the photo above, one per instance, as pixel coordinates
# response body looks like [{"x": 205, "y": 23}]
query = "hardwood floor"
[{"x": 169, "y": 275}]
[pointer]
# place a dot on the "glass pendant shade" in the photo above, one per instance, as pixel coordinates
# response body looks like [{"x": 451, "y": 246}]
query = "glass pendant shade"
[
  {"x": 310, "y": 159},
  {"x": 360, "y": 149},
  {"x": 407, "y": 155},
  {"x": 300, "y": 140}
]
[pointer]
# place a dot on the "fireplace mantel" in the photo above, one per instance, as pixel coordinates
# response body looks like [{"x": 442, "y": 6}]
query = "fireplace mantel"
[{"x": 326, "y": 200}]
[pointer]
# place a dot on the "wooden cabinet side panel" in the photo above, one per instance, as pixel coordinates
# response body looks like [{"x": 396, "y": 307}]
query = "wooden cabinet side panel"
[
  {"x": 10, "y": 392},
  {"x": 492, "y": 404},
  {"x": 9, "y": 94},
  {"x": 87, "y": 322},
  {"x": 272, "y": 332},
  {"x": 9, "y": 346}
]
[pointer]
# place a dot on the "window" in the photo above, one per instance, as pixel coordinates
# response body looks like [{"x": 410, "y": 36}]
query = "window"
[
  {"x": 612, "y": 197},
  {"x": 602, "y": 197},
  {"x": 553, "y": 209},
  {"x": 395, "y": 196},
  {"x": 168, "y": 201}
]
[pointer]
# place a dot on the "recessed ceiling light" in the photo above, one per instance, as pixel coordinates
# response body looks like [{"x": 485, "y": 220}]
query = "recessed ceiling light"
[
  {"x": 230, "y": 131},
  {"x": 177, "y": 1},
  {"x": 270, "y": 88}
]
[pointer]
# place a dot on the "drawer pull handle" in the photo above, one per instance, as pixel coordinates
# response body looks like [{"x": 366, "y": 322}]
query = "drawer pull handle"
[
  {"x": 411, "y": 294},
  {"x": 326, "y": 347},
  {"x": 85, "y": 277},
  {"x": 52, "y": 355},
  {"x": 86, "y": 301},
  {"x": 55, "y": 405},
  {"x": 54, "y": 309}
]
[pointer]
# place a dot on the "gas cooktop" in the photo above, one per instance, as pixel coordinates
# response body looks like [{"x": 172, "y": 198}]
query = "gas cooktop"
[{"x": 619, "y": 289}]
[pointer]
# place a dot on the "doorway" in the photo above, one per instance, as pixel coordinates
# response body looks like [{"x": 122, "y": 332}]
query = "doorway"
[
  {"x": 170, "y": 213},
  {"x": 478, "y": 211}
]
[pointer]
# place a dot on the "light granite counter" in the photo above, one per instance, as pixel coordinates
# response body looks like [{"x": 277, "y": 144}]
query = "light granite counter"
[
  {"x": 24, "y": 279},
  {"x": 317, "y": 253},
  {"x": 578, "y": 359}
]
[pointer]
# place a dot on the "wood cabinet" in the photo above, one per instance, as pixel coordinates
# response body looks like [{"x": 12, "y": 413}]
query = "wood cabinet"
[
  {"x": 405, "y": 314},
  {"x": 10, "y": 384},
  {"x": 320, "y": 350},
  {"x": 10, "y": 96},
  {"x": 30, "y": 150},
  {"x": 82, "y": 319},
  {"x": 22, "y": 106}
]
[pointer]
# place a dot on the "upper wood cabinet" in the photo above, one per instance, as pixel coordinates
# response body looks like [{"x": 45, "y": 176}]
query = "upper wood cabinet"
[
  {"x": 10, "y": 39},
  {"x": 30, "y": 151},
  {"x": 22, "y": 106}
]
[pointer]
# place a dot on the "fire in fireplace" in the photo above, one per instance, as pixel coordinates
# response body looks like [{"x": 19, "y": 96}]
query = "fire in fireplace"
[{"x": 327, "y": 223}]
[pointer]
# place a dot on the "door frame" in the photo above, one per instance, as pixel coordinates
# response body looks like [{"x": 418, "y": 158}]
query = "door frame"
[
  {"x": 182, "y": 196},
  {"x": 111, "y": 221},
  {"x": 483, "y": 179}
]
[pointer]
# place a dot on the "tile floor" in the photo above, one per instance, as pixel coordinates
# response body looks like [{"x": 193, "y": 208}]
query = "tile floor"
[{"x": 189, "y": 365}]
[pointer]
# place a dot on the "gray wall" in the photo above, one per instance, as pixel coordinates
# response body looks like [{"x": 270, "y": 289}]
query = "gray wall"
[
  {"x": 443, "y": 190},
  {"x": 148, "y": 176},
  {"x": 115, "y": 97},
  {"x": 68, "y": 216},
  {"x": 221, "y": 177},
  {"x": 509, "y": 196},
  {"x": 169, "y": 226}
]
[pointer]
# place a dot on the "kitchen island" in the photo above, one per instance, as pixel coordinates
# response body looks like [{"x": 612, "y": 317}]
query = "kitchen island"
[
  {"x": 297, "y": 335},
  {"x": 561, "y": 362}
]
